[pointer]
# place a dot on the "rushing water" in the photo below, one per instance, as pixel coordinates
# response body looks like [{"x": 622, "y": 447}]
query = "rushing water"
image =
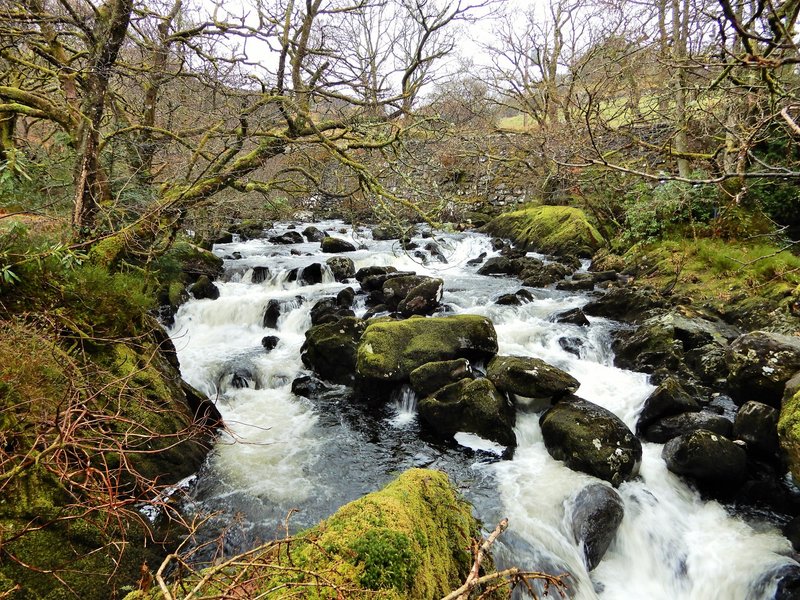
[{"x": 283, "y": 452}]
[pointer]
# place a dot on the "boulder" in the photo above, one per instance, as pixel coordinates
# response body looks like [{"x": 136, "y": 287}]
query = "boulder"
[
  {"x": 595, "y": 514},
  {"x": 756, "y": 425},
  {"x": 346, "y": 297},
  {"x": 341, "y": 267},
  {"x": 789, "y": 430},
  {"x": 574, "y": 316},
  {"x": 396, "y": 288},
  {"x": 436, "y": 252},
  {"x": 664, "y": 429},
  {"x": 271, "y": 314},
  {"x": 667, "y": 399},
  {"x": 712, "y": 461},
  {"x": 390, "y": 350},
  {"x": 428, "y": 378},
  {"x": 332, "y": 245},
  {"x": 373, "y": 283},
  {"x": 269, "y": 342},
  {"x": 625, "y": 304},
  {"x": 311, "y": 274},
  {"x": 290, "y": 237},
  {"x": 558, "y": 230},
  {"x": 474, "y": 262},
  {"x": 387, "y": 232},
  {"x": 501, "y": 265},
  {"x": 760, "y": 364},
  {"x": 591, "y": 439},
  {"x": 518, "y": 298},
  {"x": 576, "y": 285},
  {"x": 204, "y": 289},
  {"x": 544, "y": 275},
  {"x": 530, "y": 381},
  {"x": 260, "y": 274},
  {"x": 365, "y": 272},
  {"x": 195, "y": 261},
  {"x": 573, "y": 345},
  {"x": 422, "y": 299},
  {"x": 647, "y": 348},
  {"x": 250, "y": 229},
  {"x": 330, "y": 349},
  {"x": 470, "y": 405},
  {"x": 312, "y": 234}
]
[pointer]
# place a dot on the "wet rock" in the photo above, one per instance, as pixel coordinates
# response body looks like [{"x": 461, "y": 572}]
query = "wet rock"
[
  {"x": 390, "y": 350},
  {"x": 664, "y": 429},
  {"x": 271, "y": 314},
  {"x": 387, "y": 232},
  {"x": 260, "y": 274},
  {"x": 574, "y": 316},
  {"x": 396, "y": 288},
  {"x": 573, "y": 345},
  {"x": 311, "y": 387},
  {"x": 757, "y": 425},
  {"x": 250, "y": 229},
  {"x": 530, "y": 381},
  {"x": 330, "y": 349},
  {"x": 708, "y": 363},
  {"x": 204, "y": 289},
  {"x": 365, "y": 272},
  {"x": 195, "y": 261},
  {"x": 341, "y": 267},
  {"x": 312, "y": 234},
  {"x": 667, "y": 399},
  {"x": 346, "y": 297},
  {"x": 792, "y": 532},
  {"x": 595, "y": 515},
  {"x": 474, "y": 262},
  {"x": 591, "y": 439},
  {"x": 327, "y": 310},
  {"x": 436, "y": 252},
  {"x": 310, "y": 275},
  {"x": 376, "y": 282},
  {"x": 544, "y": 275},
  {"x": 518, "y": 298},
  {"x": 576, "y": 285},
  {"x": 422, "y": 257},
  {"x": 422, "y": 299},
  {"x": 760, "y": 364},
  {"x": 290, "y": 237},
  {"x": 647, "y": 349},
  {"x": 241, "y": 378},
  {"x": 501, "y": 265},
  {"x": 428, "y": 378},
  {"x": 470, "y": 405},
  {"x": 269, "y": 342},
  {"x": 710, "y": 460},
  {"x": 781, "y": 582},
  {"x": 625, "y": 304},
  {"x": 332, "y": 245}
]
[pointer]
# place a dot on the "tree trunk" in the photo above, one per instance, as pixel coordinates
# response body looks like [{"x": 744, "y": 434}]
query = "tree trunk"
[{"x": 680, "y": 31}]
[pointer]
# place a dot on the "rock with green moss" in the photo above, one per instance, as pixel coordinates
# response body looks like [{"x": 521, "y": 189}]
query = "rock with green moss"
[
  {"x": 559, "y": 230},
  {"x": 195, "y": 261},
  {"x": 390, "y": 350},
  {"x": 472, "y": 406},
  {"x": 330, "y": 349},
  {"x": 435, "y": 375},
  {"x": 789, "y": 429},
  {"x": 407, "y": 541},
  {"x": 589, "y": 438},
  {"x": 760, "y": 364},
  {"x": 334, "y": 245},
  {"x": 529, "y": 380}
]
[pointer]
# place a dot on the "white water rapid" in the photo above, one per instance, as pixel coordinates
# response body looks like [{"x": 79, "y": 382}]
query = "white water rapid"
[{"x": 281, "y": 451}]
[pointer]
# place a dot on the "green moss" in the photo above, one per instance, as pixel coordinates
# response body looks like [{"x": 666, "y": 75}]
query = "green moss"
[
  {"x": 560, "y": 230},
  {"x": 408, "y": 541},
  {"x": 390, "y": 350},
  {"x": 108, "y": 251},
  {"x": 789, "y": 432}
]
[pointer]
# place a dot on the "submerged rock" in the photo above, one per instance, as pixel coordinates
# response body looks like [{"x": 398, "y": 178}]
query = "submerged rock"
[
  {"x": 574, "y": 316},
  {"x": 589, "y": 438},
  {"x": 595, "y": 515},
  {"x": 290, "y": 237},
  {"x": 473, "y": 406}
]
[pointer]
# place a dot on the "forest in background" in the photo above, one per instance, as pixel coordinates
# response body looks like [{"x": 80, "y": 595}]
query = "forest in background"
[{"x": 672, "y": 123}]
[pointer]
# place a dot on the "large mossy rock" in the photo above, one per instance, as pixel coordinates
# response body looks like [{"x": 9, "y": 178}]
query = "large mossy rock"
[
  {"x": 390, "y": 350},
  {"x": 789, "y": 431},
  {"x": 760, "y": 364},
  {"x": 472, "y": 406},
  {"x": 410, "y": 540},
  {"x": 330, "y": 349},
  {"x": 195, "y": 261},
  {"x": 559, "y": 230},
  {"x": 332, "y": 245},
  {"x": 435, "y": 375},
  {"x": 87, "y": 408},
  {"x": 589, "y": 438},
  {"x": 529, "y": 380}
]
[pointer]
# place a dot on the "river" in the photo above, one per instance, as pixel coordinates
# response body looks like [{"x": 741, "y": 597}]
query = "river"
[{"x": 284, "y": 452}]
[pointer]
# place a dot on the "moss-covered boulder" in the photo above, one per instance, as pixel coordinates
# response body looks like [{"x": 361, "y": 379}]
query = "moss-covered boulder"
[
  {"x": 760, "y": 364},
  {"x": 559, "y": 230},
  {"x": 390, "y": 350},
  {"x": 789, "y": 431},
  {"x": 589, "y": 438},
  {"x": 529, "y": 380},
  {"x": 334, "y": 245},
  {"x": 472, "y": 406},
  {"x": 435, "y": 375},
  {"x": 713, "y": 462},
  {"x": 85, "y": 435},
  {"x": 195, "y": 261},
  {"x": 330, "y": 349},
  {"x": 409, "y": 540}
]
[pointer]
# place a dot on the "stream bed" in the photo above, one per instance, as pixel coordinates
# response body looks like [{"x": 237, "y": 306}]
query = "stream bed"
[{"x": 283, "y": 452}]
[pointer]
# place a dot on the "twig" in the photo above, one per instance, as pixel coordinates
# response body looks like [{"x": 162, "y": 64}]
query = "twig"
[{"x": 472, "y": 579}]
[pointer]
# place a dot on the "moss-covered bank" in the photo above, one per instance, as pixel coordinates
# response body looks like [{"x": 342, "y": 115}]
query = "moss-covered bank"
[
  {"x": 408, "y": 541},
  {"x": 559, "y": 230}
]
